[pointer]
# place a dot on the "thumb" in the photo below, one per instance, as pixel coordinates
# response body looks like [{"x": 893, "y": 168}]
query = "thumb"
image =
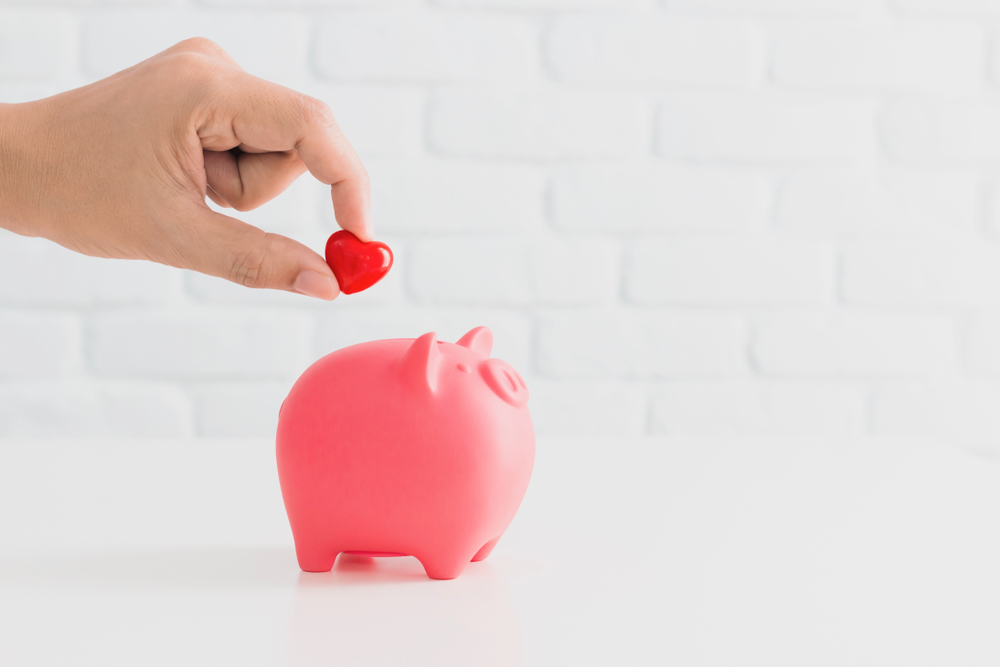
[{"x": 232, "y": 249}]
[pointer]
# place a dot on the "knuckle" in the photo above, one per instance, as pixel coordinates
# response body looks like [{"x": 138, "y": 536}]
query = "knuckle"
[
  {"x": 250, "y": 266},
  {"x": 362, "y": 174},
  {"x": 358, "y": 173},
  {"x": 194, "y": 68},
  {"x": 201, "y": 45},
  {"x": 246, "y": 201},
  {"x": 184, "y": 63},
  {"x": 317, "y": 112}
]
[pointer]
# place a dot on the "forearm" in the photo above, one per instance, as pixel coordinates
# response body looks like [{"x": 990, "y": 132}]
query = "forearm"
[
  {"x": 18, "y": 170},
  {"x": 8, "y": 158},
  {"x": 121, "y": 168}
]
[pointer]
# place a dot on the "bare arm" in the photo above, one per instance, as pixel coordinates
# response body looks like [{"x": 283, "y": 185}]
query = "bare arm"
[{"x": 121, "y": 168}]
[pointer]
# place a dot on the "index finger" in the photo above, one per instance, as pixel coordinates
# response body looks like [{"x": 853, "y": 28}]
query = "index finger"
[{"x": 270, "y": 117}]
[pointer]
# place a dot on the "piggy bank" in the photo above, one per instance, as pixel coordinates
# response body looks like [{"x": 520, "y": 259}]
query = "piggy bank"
[{"x": 405, "y": 447}]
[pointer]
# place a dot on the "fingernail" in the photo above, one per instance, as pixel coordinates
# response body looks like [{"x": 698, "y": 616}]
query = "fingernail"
[{"x": 315, "y": 285}]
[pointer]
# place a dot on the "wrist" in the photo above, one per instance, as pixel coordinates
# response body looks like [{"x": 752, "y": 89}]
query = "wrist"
[{"x": 19, "y": 169}]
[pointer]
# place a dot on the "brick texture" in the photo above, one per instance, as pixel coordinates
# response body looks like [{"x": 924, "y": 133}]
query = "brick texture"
[
  {"x": 268, "y": 44},
  {"x": 765, "y": 217},
  {"x": 644, "y": 197},
  {"x": 729, "y": 272},
  {"x": 668, "y": 50},
  {"x": 765, "y": 408},
  {"x": 512, "y": 271},
  {"x": 425, "y": 46},
  {"x": 636, "y": 344},
  {"x": 34, "y": 272},
  {"x": 537, "y": 125},
  {"x": 897, "y": 203},
  {"x": 199, "y": 344},
  {"x": 34, "y": 345},
  {"x": 854, "y": 345},
  {"x": 763, "y": 128},
  {"x": 460, "y": 197},
  {"x": 823, "y": 8},
  {"x": 37, "y": 44},
  {"x": 936, "y": 58}
]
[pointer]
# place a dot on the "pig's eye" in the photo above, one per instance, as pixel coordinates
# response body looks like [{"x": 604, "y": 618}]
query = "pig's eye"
[{"x": 465, "y": 368}]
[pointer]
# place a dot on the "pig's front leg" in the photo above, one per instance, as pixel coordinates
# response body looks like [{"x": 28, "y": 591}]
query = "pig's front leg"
[{"x": 315, "y": 557}]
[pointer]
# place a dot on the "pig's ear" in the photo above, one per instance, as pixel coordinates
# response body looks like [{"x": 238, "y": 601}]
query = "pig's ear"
[
  {"x": 421, "y": 363},
  {"x": 479, "y": 340}
]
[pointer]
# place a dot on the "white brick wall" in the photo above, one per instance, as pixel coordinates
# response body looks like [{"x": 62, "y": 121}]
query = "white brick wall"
[
  {"x": 726, "y": 272},
  {"x": 897, "y": 203},
  {"x": 38, "y": 345},
  {"x": 456, "y": 196},
  {"x": 426, "y": 46},
  {"x": 773, "y": 7},
  {"x": 619, "y": 343},
  {"x": 512, "y": 330},
  {"x": 678, "y": 216},
  {"x": 35, "y": 273},
  {"x": 923, "y": 57},
  {"x": 756, "y": 407},
  {"x": 513, "y": 271},
  {"x": 921, "y": 273},
  {"x": 646, "y": 196},
  {"x": 941, "y": 132},
  {"x": 381, "y": 120},
  {"x": 89, "y": 407},
  {"x": 945, "y": 8},
  {"x": 763, "y": 128},
  {"x": 265, "y": 43},
  {"x": 537, "y": 124},
  {"x": 854, "y": 344},
  {"x": 199, "y": 344},
  {"x": 638, "y": 48},
  {"x": 37, "y": 45}
]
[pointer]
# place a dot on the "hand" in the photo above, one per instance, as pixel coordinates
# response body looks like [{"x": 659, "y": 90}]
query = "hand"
[{"x": 121, "y": 168}]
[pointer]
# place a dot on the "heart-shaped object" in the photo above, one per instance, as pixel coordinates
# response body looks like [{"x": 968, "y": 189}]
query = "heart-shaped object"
[{"x": 356, "y": 265}]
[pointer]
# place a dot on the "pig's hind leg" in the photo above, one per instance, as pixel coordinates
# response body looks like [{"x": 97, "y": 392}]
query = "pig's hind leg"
[
  {"x": 444, "y": 565},
  {"x": 486, "y": 550}
]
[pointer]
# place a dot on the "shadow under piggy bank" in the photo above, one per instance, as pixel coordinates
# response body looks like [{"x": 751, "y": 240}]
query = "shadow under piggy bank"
[{"x": 385, "y": 611}]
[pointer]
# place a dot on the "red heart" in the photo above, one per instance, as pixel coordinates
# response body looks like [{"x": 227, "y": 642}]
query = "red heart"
[{"x": 356, "y": 265}]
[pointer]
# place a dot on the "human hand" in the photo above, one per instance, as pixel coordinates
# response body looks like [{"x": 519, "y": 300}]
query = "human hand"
[{"x": 121, "y": 168}]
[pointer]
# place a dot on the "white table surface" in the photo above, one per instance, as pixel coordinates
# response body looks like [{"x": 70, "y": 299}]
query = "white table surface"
[{"x": 656, "y": 551}]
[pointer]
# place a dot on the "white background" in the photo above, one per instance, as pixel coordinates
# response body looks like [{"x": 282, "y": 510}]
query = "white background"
[
  {"x": 700, "y": 552},
  {"x": 685, "y": 217}
]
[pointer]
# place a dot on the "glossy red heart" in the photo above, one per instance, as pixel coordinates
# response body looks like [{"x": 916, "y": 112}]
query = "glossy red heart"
[{"x": 356, "y": 265}]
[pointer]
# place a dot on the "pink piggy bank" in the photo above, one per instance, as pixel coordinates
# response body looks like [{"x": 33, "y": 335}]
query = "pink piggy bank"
[{"x": 405, "y": 447}]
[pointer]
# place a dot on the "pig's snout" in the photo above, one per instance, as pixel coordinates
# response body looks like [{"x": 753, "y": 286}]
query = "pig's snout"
[{"x": 504, "y": 381}]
